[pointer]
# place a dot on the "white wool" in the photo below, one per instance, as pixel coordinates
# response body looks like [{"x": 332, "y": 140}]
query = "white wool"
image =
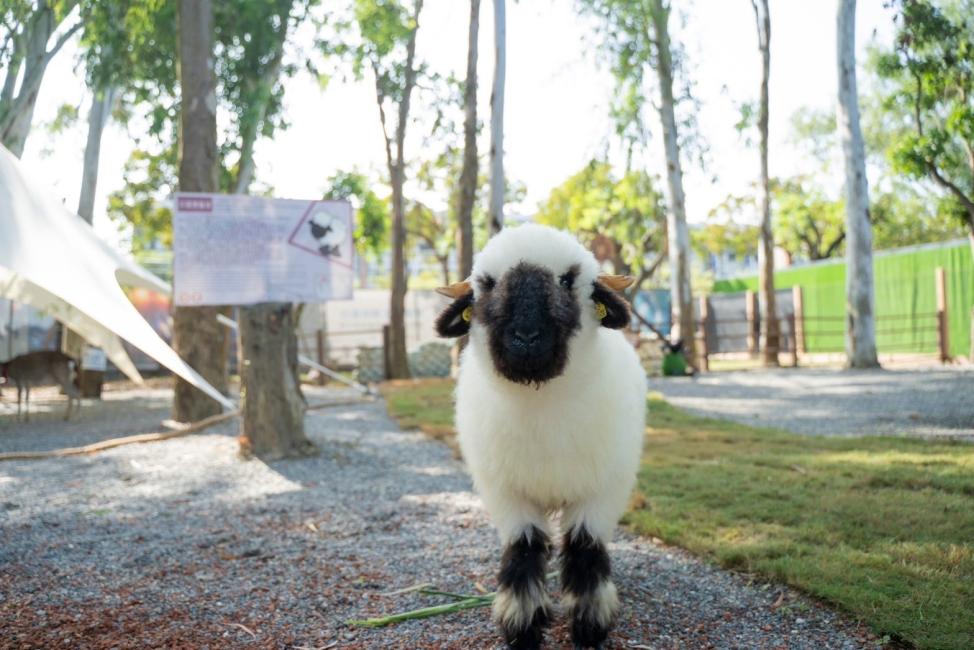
[
  {"x": 574, "y": 442},
  {"x": 516, "y": 609},
  {"x": 599, "y": 606}
]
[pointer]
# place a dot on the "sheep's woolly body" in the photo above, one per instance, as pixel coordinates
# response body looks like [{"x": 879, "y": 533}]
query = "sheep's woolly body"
[{"x": 572, "y": 443}]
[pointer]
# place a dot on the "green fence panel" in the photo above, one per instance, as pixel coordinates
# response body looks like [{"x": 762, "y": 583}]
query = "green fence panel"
[{"x": 906, "y": 298}]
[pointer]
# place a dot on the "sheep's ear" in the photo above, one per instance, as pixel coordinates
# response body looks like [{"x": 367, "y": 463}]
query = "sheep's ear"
[
  {"x": 456, "y": 290},
  {"x": 455, "y": 319},
  {"x": 611, "y": 308}
]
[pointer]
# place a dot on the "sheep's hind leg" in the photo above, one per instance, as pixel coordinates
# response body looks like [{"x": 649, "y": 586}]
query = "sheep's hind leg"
[
  {"x": 521, "y": 607},
  {"x": 587, "y": 589}
]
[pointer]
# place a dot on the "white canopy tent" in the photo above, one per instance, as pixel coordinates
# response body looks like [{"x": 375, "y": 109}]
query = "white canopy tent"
[{"x": 53, "y": 260}]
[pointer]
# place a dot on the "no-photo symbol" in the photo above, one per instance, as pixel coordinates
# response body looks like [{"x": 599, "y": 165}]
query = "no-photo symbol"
[{"x": 325, "y": 230}]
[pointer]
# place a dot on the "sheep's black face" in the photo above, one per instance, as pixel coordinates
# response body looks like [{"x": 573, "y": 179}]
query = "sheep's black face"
[{"x": 530, "y": 316}]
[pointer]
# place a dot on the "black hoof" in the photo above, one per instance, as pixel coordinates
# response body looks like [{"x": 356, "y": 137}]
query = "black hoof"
[
  {"x": 531, "y": 637},
  {"x": 589, "y": 634}
]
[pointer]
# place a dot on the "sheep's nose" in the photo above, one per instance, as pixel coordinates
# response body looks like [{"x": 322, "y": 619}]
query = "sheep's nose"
[{"x": 526, "y": 337}]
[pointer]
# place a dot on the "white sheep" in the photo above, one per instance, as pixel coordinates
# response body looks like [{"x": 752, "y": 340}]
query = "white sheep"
[{"x": 550, "y": 411}]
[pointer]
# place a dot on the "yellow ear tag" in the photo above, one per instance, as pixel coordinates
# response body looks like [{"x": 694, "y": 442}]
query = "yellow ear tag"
[
  {"x": 600, "y": 311},
  {"x": 467, "y": 314}
]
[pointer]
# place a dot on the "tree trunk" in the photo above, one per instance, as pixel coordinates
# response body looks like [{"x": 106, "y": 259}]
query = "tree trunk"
[
  {"x": 860, "y": 326},
  {"x": 17, "y": 112},
  {"x": 250, "y": 129},
  {"x": 271, "y": 402},
  {"x": 497, "y": 120},
  {"x": 766, "y": 295},
  {"x": 445, "y": 269},
  {"x": 90, "y": 381},
  {"x": 101, "y": 108},
  {"x": 676, "y": 219},
  {"x": 398, "y": 356},
  {"x": 197, "y": 336},
  {"x": 270, "y": 385},
  {"x": 468, "y": 176}
]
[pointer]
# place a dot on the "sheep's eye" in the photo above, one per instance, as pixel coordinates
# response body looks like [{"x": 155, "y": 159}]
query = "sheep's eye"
[
  {"x": 487, "y": 283},
  {"x": 567, "y": 280}
]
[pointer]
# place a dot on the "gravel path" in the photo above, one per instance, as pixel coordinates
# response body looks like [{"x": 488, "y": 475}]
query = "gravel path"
[
  {"x": 932, "y": 403},
  {"x": 180, "y": 544},
  {"x": 123, "y": 410}
]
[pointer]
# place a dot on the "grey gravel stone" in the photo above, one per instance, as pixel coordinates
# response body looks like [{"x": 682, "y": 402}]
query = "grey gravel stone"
[
  {"x": 182, "y": 544},
  {"x": 928, "y": 403}
]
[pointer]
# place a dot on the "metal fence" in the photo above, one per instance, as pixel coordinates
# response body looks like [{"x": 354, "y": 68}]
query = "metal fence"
[{"x": 731, "y": 323}]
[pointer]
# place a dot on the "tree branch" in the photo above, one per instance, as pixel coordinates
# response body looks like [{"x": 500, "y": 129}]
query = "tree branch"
[
  {"x": 834, "y": 246},
  {"x": 956, "y": 191},
  {"x": 380, "y": 100},
  {"x": 61, "y": 41},
  {"x": 410, "y": 81},
  {"x": 423, "y": 236}
]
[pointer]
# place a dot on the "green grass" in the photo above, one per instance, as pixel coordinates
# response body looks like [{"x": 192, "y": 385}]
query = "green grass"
[
  {"x": 880, "y": 527},
  {"x": 425, "y": 404}
]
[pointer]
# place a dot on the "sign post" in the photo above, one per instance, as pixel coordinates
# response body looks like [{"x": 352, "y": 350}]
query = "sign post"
[{"x": 244, "y": 250}]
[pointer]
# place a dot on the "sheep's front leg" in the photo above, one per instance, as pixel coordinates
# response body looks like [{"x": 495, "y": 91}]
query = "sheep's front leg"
[
  {"x": 587, "y": 589},
  {"x": 586, "y": 575},
  {"x": 521, "y": 607}
]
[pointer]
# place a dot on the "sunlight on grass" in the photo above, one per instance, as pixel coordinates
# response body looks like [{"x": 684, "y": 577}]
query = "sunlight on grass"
[{"x": 881, "y": 527}]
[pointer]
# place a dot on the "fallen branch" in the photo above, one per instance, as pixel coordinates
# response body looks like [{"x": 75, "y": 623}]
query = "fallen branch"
[
  {"x": 118, "y": 442},
  {"x": 245, "y": 629}
]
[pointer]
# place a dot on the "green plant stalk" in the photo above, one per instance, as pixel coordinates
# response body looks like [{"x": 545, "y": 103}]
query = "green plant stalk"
[
  {"x": 425, "y": 612},
  {"x": 450, "y": 594}
]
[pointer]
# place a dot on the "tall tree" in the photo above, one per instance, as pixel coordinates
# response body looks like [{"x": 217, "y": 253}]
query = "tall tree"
[
  {"x": 272, "y": 405},
  {"x": 387, "y": 46},
  {"x": 769, "y": 312},
  {"x": 136, "y": 51},
  {"x": 33, "y": 33},
  {"x": 197, "y": 336},
  {"x": 678, "y": 234},
  {"x": 860, "y": 301},
  {"x": 929, "y": 82},
  {"x": 90, "y": 381},
  {"x": 468, "y": 177},
  {"x": 497, "y": 120},
  {"x": 253, "y": 36},
  {"x": 102, "y": 101},
  {"x": 636, "y": 37}
]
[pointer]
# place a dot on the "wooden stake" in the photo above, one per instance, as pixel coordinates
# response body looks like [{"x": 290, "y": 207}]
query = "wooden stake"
[
  {"x": 753, "y": 322},
  {"x": 704, "y": 317},
  {"x": 943, "y": 340},
  {"x": 320, "y": 345},
  {"x": 797, "y": 300}
]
